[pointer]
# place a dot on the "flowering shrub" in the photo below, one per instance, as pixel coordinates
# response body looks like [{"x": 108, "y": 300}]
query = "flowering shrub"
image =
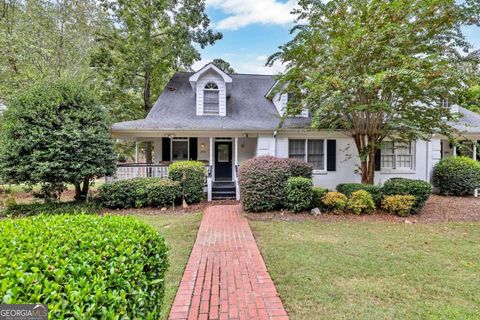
[
  {"x": 361, "y": 201},
  {"x": 400, "y": 205},
  {"x": 263, "y": 181}
]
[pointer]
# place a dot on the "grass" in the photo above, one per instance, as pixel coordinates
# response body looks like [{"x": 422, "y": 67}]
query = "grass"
[
  {"x": 180, "y": 232},
  {"x": 357, "y": 270}
]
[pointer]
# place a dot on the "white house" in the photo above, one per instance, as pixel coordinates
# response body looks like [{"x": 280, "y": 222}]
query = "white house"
[{"x": 224, "y": 119}]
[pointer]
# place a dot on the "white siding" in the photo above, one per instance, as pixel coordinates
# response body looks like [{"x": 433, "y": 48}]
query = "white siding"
[
  {"x": 265, "y": 145},
  {"x": 204, "y": 79}
]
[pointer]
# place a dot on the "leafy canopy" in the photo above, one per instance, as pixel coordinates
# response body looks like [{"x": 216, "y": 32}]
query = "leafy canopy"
[
  {"x": 55, "y": 133},
  {"x": 376, "y": 68}
]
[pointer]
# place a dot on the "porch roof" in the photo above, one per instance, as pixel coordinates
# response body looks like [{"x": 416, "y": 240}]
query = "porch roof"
[{"x": 469, "y": 121}]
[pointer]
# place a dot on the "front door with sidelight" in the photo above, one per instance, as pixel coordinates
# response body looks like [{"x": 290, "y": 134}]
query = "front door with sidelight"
[{"x": 223, "y": 161}]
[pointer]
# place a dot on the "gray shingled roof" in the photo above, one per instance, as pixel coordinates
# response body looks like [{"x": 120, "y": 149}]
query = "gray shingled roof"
[
  {"x": 469, "y": 121},
  {"x": 247, "y": 107}
]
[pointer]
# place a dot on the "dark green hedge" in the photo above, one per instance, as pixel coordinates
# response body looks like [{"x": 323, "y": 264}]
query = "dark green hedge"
[
  {"x": 420, "y": 189},
  {"x": 457, "y": 176},
  {"x": 83, "y": 266},
  {"x": 192, "y": 177},
  {"x": 30, "y": 209},
  {"x": 349, "y": 188},
  {"x": 299, "y": 194},
  {"x": 318, "y": 193},
  {"x": 141, "y": 192},
  {"x": 263, "y": 181}
]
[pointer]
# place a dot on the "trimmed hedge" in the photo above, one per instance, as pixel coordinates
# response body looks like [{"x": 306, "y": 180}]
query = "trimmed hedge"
[
  {"x": 420, "y": 189},
  {"x": 349, "y": 188},
  {"x": 30, "y": 209},
  {"x": 318, "y": 193},
  {"x": 191, "y": 175},
  {"x": 140, "y": 192},
  {"x": 263, "y": 181},
  {"x": 457, "y": 176},
  {"x": 84, "y": 266},
  {"x": 400, "y": 205},
  {"x": 299, "y": 194},
  {"x": 361, "y": 201}
]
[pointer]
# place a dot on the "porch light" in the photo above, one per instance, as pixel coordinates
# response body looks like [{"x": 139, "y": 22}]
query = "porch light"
[{"x": 202, "y": 146}]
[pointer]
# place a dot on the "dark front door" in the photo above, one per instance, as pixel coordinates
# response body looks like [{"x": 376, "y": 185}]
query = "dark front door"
[{"x": 223, "y": 160}]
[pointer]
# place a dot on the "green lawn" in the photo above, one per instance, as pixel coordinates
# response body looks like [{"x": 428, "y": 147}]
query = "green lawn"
[
  {"x": 180, "y": 232},
  {"x": 358, "y": 270}
]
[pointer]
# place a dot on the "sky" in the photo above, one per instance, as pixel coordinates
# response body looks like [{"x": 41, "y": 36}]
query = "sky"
[{"x": 254, "y": 29}]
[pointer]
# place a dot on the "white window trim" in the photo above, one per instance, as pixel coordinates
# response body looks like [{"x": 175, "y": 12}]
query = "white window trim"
[
  {"x": 171, "y": 148},
  {"x": 315, "y": 171},
  {"x": 211, "y": 90},
  {"x": 402, "y": 170},
  {"x": 303, "y": 114}
]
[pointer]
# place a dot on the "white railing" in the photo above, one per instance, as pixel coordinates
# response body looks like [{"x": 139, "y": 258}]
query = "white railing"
[
  {"x": 139, "y": 170},
  {"x": 237, "y": 186}
]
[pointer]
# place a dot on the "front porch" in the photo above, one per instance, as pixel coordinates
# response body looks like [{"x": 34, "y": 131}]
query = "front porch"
[{"x": 221, "y": 156}]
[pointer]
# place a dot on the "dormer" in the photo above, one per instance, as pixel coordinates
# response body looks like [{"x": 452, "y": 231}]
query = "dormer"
[
  {"x": 280, "y": 101},
  {"x": 212, "y": 86}
]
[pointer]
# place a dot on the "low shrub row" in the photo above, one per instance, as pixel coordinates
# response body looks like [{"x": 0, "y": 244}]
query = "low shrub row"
[
  {"x": 12, "y": 208},
  {"x": 83, "y": 266},
  {"x": 140, "y": 192}
]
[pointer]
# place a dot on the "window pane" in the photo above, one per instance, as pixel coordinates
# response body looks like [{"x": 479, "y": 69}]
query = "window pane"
[
  {"x": 179, "y": 150},
  {"x": 387, "y": 147},
  {"x": 296, "y": 149},
  {"x": 316, "y": 155},
  {"x": 210, "y": 102}
]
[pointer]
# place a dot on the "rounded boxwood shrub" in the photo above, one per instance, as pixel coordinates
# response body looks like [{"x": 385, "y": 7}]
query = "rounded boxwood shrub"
[
  {"x": 317, "y": 195},
  {"x": 420, "y": 189},
  {"x": 83, "y": 266},
  {"x": 191, "y": 175},
  {"x": 299, "y": 194},
  {"x": 400, "y": 205},
  {"x": 263, "y": 181},
  {"x": 457, "y": 176},
  {"x": 140, "y": 192},
  {"x": 334, "y": 201},
  {"x": 361, "y": 201},
  {"x": 348, "y": 188}
]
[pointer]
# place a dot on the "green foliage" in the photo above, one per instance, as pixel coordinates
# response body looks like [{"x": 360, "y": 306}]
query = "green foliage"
[
  {"x": 263, "y": 181},
  {"x": 191, "y": 175},
  {"x": 420, "y": 189},
  {"x": 334, "y": 201},
  {"x": 55, "y": 133},
  {"x": 84, "y": 266},
  {"x": 457, "y": 176},
  {"x": 348, "y": 188},
  {"x": 356, "y": 66},
  {"x": 317, "y": 195},
  {"x": 299, "y": 194},
  {"x": 361, "y": 201},
  {"x": 400, "y": 205},
  {"x": 140, "y": 192},
  {"x": 223, "y": 65},
  {"x": 53, "y": 208}
]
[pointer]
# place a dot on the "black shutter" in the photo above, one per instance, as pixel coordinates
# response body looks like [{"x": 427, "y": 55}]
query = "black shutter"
[
  {"x": 478, "y": 151},
  {"x": 378, "y": 159},
  {"x": 331, "y": 155},
  {"x": 165, "y": 149},
  {"x": 193, "y": 148}
]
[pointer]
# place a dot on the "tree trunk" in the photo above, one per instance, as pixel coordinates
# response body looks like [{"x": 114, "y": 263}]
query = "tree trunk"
[
  {"x": 86, "y": 187},
  {"x": 78, "y": 191},
  {"x": 81, "y": 191},
  {"x": 366, "y": 147}
]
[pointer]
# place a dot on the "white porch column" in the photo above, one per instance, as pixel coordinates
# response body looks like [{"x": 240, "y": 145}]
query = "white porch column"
[
  {"x": 236, "y": 151},
  {"x": 211, "y": 151},
  {"x": 455, "y": 151},
  {"x": 209, "y": 178},
  {"x": 137, "y": 151},
  {"x": 475, "y": 192}
]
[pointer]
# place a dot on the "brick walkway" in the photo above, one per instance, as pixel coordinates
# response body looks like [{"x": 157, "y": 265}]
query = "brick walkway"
[{"x": 226, "y": 277}]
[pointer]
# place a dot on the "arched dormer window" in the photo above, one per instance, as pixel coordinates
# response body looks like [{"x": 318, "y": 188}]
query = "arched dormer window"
[{"x": 211, "y": 101}]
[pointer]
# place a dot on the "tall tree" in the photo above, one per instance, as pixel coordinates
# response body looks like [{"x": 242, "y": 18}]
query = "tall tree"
[
  {"x": 376, "y": 69},
  {"x": 46, "y": 39},
  {"x": 149, "y": 40},
  {"x": 55, "y": 133},
  {"x": 224, "y": 65}
]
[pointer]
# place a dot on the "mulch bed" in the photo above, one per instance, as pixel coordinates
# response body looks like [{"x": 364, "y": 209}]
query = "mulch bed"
[{"x": 437, "y": 209}]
